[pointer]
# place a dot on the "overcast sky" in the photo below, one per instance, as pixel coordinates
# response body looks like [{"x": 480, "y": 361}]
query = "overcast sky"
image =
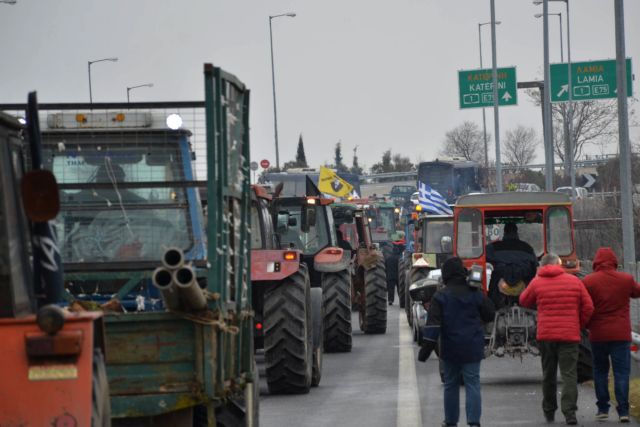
[{"x": 372, "y": 73}]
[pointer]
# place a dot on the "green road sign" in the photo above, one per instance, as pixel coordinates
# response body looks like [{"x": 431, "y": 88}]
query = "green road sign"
[
  {"x": 589, "y": 80},
  {"x": 476, "y": 87}
]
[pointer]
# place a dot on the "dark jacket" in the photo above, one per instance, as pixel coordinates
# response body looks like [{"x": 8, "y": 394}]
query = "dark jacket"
[
  {"x": 610, "y": 291},
  {"x": 457, "y": 315},
  {"x": 564, "y": 306},
  {"x": 513, "y": 260}
]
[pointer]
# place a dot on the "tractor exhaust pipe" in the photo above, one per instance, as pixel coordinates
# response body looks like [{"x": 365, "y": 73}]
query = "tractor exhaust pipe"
[
  {"x": 191, "y": 294},
  {"x": 163, "y": 280}
]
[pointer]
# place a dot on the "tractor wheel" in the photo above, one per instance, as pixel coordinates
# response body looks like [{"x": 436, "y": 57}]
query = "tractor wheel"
[
  {"x": 101, "y": 403},
  {"x": 288, "y": 337},
  {"x": 402, "y": 285},
  {"x": 336, "y": 292},
  {"x": 317, "y": 315},
  {"x": 373, "y": 318},
  {"x": 585, "y": 362},
  {"x": 415, "y": 275}
]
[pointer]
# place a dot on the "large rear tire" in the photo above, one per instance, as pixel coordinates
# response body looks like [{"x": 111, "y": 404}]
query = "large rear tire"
[
  {"x": 317, "y": 315},
  {"x": 101, "y": 402},
  {"x": 373, "y": 317},
  {"x": 415, "y": 275},
  {"x": 402, "y": 282},
  {"x": 336, "y": 292},
  {"x": 288, "y": 337}
]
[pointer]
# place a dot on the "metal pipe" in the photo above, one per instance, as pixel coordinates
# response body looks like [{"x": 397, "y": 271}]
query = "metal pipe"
[
  {"x": 162, "y": 279},
  {"x": 191, "y": 294},
  {"x": 496, "y": 113},
  {"x": 625, "y": 150},
  {"x": 484, "y": 115},
  {"x": 570, "y": 112},
  {"x": 173, "y": 258}
]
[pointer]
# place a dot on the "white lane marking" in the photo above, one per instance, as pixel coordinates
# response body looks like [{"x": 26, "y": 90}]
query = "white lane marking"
[{"x": 408, "y": 410}]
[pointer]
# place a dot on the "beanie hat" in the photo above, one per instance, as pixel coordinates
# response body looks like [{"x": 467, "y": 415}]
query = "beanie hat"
[{"x": 453, "y": 268}]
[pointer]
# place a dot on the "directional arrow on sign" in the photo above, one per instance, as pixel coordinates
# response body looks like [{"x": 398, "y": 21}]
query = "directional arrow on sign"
[
  {"x": 563, "y": 90},
  {"x": 590, "y": 180},
  {"x": 507, "y": 96}
]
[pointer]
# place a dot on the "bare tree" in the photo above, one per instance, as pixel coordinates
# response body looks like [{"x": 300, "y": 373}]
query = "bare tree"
[
  {"x": 465, "y": 141},
  {"x": 520, "y": 145}
]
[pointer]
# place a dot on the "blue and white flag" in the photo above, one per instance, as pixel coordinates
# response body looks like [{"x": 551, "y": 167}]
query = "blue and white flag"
[{"x": 432, "y": 201}]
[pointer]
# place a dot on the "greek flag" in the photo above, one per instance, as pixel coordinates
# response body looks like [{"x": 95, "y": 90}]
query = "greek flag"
[{"x": 432, "y": 201}]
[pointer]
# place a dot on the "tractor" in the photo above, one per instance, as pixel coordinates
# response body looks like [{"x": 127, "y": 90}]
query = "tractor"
[
  {"x": 288, "y": 311},
  {"x": 368, "y": 275}
]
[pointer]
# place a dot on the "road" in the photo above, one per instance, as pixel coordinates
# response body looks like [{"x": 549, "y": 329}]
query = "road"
[{"x": 381, "y": 383}]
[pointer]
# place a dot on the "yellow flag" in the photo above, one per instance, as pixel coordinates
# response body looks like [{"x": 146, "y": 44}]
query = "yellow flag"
[{"x": 330, "y": 183}]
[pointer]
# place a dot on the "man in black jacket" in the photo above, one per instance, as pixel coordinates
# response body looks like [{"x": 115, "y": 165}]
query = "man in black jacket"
[{"x": 456, "y": 317}]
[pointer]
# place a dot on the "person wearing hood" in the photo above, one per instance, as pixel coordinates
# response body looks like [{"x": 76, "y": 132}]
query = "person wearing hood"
[
  {"x": 456, "y": 316},
  {"x": 564, "y": 308},
  {"x": 610, "y": 330}
]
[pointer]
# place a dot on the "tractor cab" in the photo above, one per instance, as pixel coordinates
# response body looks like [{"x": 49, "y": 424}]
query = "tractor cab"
[{"x": 543, "y": 220}]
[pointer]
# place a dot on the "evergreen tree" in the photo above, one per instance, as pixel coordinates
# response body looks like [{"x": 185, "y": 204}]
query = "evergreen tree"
[
  {"x": 301, "y": 158},
  {"x": 338, "y": 158}
]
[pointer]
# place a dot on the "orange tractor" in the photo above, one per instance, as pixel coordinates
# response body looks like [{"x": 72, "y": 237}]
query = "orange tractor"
[{"x": 52, "y": 361}]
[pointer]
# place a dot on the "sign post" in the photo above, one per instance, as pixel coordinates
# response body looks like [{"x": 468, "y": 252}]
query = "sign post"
[
  {"x": 589, "y": 80},
  {"x": 476, "y": 88}
]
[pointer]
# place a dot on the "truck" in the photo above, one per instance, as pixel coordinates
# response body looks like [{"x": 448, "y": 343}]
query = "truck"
[
  {"x": 129, "y": 176},
  {"x": 47, "y": 351},
  {"x": 289, "y": 322}
]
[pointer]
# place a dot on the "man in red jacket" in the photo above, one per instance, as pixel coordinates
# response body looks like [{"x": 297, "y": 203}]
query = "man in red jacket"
[
  {"x": 610, "y": 330},
  {"x": 564, "y": 307}
]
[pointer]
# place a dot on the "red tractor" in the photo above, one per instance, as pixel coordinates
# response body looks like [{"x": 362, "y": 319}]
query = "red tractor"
[
  {"x": 369, "y": 291},
  {"x": 288, "y": 311}
]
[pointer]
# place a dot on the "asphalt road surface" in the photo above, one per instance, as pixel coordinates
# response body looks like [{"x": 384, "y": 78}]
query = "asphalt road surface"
[{"x": 381, "y": 383}]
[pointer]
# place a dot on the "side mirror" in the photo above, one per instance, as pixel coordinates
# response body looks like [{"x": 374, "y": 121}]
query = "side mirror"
[
  {"x": 40, "y": 195},
  {"x": 283, "y": 222},
  {"x": 446, "y": 244},
  {"x": 475, "y": 276}
]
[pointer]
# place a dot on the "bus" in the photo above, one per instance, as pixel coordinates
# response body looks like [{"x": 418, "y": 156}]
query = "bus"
[{"x": 451, "y": 178}]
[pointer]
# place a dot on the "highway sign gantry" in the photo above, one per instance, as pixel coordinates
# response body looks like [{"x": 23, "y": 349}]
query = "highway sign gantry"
[
  {"x": 589, "y": 80},
  {"x": 476, "y": 87}
]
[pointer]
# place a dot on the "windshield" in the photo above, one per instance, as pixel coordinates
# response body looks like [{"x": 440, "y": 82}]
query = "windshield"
[
  {"x": 309, "y": 241},
  {"x": 115, "y": 221},
  {"x": 559, "y": 236},
  {"x": 529, "y": 224},
  {"x": 382, "y": 222},
  {"x": 433, "y": 233}
]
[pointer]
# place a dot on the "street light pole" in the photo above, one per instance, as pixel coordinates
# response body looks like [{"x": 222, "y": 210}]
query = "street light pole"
[
  {"x": 273, "y": 84},
  {"x": 496, "y": 114},
  {"x": 484, "y": 115},
  {"x": 130, "y": 88},
  {"x": 89, "y": 70},
  {"x": 548, "y": 142},
  {"x": 628, "y": 232}
]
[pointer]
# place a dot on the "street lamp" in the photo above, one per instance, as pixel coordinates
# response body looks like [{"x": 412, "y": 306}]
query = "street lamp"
[
  {"x": 568, "y": 149},
  {"x": 130, "y": 88},
  {"x": 559, "y": 15},
  {"x": 89, "y": 68},
  {"x": 273, "y": 83},
  {"x": 484, "y": 116}
]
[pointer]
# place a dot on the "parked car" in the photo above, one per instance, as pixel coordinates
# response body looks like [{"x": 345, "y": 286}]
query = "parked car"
[
  {"x": 527, "y": 186},
  {"x": 579, "y": 193}
]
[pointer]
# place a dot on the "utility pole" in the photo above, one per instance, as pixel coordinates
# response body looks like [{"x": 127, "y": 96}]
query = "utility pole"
[
  {"x": 628, "y": 242},
  {"x": 548, "y": 128},
  {"x": 496, "y": 114}
]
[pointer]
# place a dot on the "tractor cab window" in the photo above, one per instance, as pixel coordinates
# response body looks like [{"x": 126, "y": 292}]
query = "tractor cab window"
[
  {"x": 528, "y": 222},
  {"x": 308, "y": 229},
  {"x": 118, "y": 219},
  {"x": 433, "y": 233},
  {"x": 382, "y": 222},
  {"x": 256, "y": 230},
  {"x": 469, "y": 234},
  {"x": 559, "y": 239}
]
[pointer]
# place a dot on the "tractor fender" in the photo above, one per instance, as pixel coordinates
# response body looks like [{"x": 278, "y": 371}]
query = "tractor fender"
[
  {"x": 271, "y": 265},
  {"x": 332, "y": 260}
]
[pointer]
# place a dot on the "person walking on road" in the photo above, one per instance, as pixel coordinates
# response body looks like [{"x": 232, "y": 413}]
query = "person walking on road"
[
  {"x": 391, "y": 264},
  {"x": 456, "y": 316},
  {"x": 610, "y": 330},
  {"x": 564, "y": 308}
]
